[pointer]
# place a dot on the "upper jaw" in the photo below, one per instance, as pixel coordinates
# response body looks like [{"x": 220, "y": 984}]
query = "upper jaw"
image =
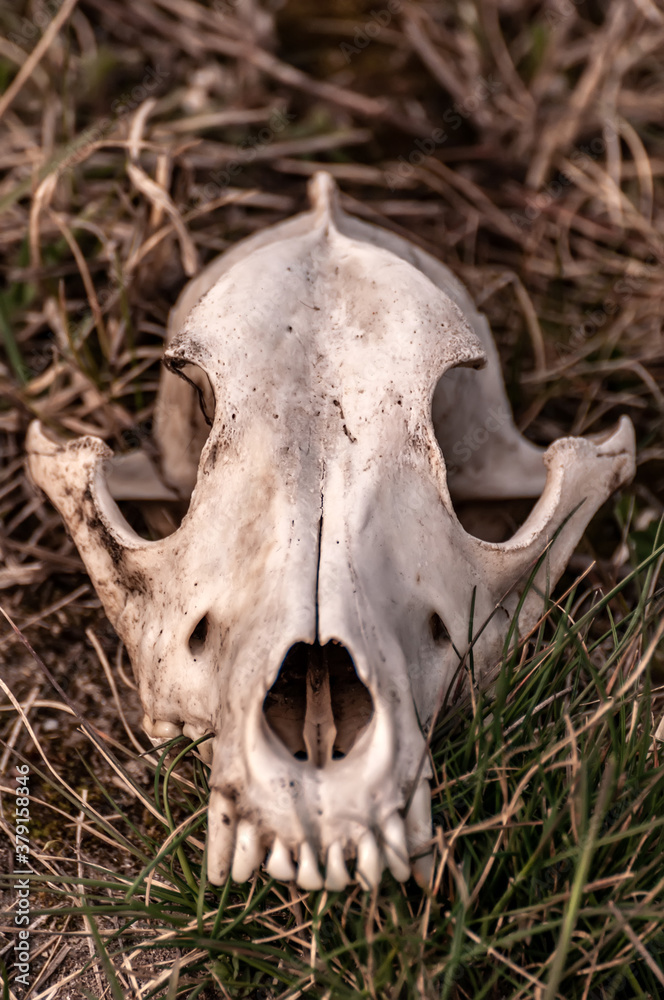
[{"x": 372, "y": 807}]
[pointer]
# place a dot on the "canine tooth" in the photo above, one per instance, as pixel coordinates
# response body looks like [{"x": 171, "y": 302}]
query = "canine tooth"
[
  {"x": 164, "y": 730},
  {"x": 279, "y": 864},
  {"x": 221, "y": 837},
  {"x": 336, "y": 876},
  {"x": 248, "y": 851},
  {"x": 369, "y": 862},
  {"x": 418, "y": 832},
  {"x": 147, "y": 725},
  {"x": 194, "y": 733},
  {"x": 308, "y": 875},
  {"x": 395, "y": 847}
]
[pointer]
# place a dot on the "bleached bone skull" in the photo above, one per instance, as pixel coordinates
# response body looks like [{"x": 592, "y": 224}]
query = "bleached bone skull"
[{"x": 314, "y": 604}]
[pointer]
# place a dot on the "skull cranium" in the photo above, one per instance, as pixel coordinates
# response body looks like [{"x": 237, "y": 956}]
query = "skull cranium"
[{"x": 315, "y": 601}]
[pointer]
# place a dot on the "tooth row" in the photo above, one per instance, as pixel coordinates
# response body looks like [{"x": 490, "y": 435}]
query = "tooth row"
[{"x": 236, "y": 847}]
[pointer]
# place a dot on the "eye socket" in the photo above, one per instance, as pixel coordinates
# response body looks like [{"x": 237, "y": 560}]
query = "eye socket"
[
  {"x": 200, "y": 383},
  {"x": 153, "y": 481},
  {"x": 438, "y": 629},
  {"x": 199, "y": 635},
  {"x": 467, "y": 441}
]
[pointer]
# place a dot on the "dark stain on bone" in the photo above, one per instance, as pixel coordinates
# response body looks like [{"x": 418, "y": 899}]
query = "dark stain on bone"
[
  {"x": 110, "y": 543},
  {"x": 83, "y": 444},
  {"x": 212, "y": 456},
  {"x": 135, "y": 582},
  {"x": 348, "y": 434}
]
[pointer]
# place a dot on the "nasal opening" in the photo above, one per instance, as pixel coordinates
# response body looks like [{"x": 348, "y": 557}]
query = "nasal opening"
[{"x": 318, "y": 706}]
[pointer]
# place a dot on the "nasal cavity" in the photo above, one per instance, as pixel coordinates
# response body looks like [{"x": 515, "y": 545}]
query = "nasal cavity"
[{"x": 318, "y": 706}]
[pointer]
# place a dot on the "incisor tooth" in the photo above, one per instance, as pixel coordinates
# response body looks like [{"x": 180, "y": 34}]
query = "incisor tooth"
[
  {"x": 248, "y": 851},
  {"x": 279, "y": 864},
  {"x": 163, "y": 730},
  {"x": 395, "y": 847},
  {"x": 336, "y": 876},
  {"x": 221, "y": 837},
  {"x": 308, "y": 875},
  {"x": 418, "y": 832},
  {"x": 369, "y": 862}
]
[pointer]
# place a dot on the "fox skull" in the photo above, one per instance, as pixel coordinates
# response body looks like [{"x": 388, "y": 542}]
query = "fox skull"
[{"x": 313, "y": 606}]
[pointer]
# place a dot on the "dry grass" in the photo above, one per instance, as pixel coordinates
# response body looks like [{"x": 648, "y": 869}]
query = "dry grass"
[{"x": 523, "y": 144}]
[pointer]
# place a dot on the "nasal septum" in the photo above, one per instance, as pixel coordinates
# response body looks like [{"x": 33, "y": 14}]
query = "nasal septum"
[{"x": 318, "y": 706}]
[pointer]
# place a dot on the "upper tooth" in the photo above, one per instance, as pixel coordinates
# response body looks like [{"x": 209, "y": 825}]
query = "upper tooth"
[
  {"x": 394, "y": 845},
  {"x": 308, "y": 875},
  {"x": 336, "y": 876},
  {"x": 248, "y": 851},
  {"x": 369, "y": 862},
  {"x": 221, "y": 837},
  {"x": 418, "y": 817},
  {"x": 279, "y": 864},
  {"x": 418, "y": 832},
  {"x": 164, "y": 730}
]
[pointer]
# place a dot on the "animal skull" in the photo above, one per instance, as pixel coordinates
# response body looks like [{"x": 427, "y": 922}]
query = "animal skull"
[{"x": 314, "y": 604}]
